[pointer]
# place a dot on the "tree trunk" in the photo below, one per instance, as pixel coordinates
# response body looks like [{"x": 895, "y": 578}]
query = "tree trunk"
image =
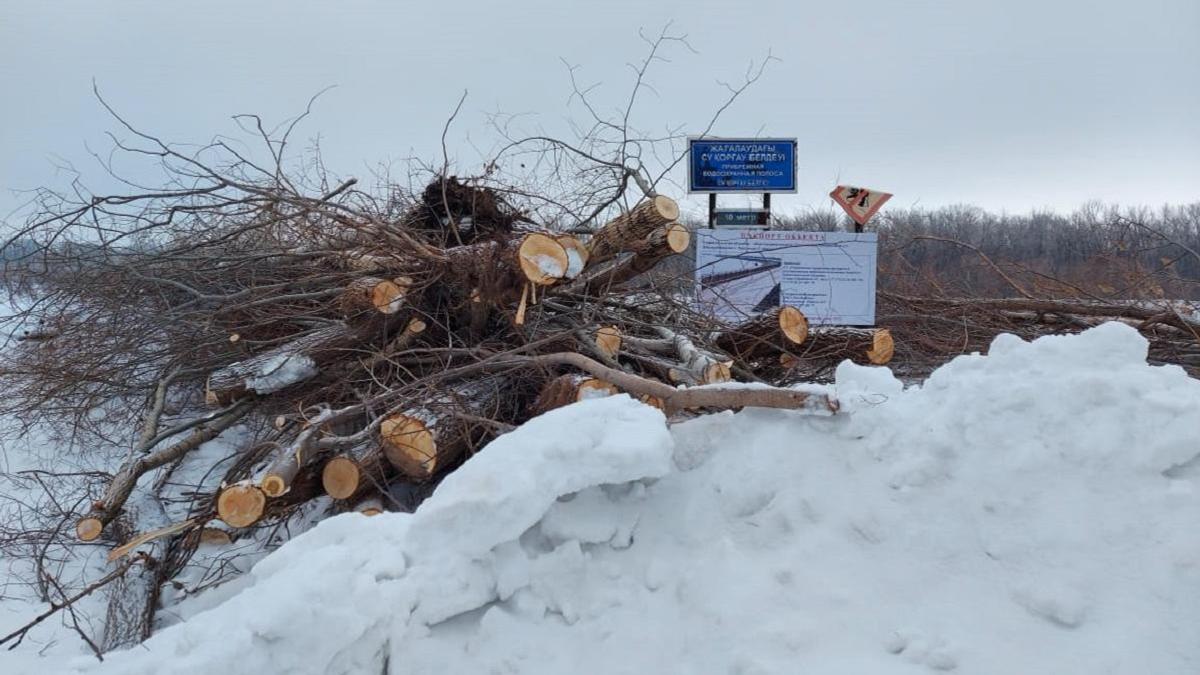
[
  {"x": 663, "y": 242},
  {"x": 781, "y": 329},
  {"x": 533, "y": 257},
  {"x": 355, "y": 473},
  {"x": 567, "y": 389},
  {"x": 872, "y": 346},
  {"x": 282, "y": 366},
  {"x": 423, "y": 442},
  {"x": 632, "y": 227},
  {"x": 371, "y": 295},
  {"x": 241, "y": 505}
]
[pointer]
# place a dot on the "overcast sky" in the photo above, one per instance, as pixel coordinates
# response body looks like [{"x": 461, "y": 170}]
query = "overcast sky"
[{"x": 1007, "y": 104}]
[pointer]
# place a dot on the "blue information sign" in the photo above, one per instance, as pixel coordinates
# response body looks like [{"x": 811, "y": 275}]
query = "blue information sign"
[{"x": 742, "y": 165}]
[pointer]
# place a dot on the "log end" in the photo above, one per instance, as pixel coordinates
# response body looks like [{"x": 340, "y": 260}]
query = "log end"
[
  {"x": 882, "y": 347},
  {"x": 577, "y": 255},
  {"x": 653, "y": 401},
  {"x": 789, "y": 361},
  {"x": 387, "y": 296},
  {"x": 241, "y": 505},
  {"x": 594, "y": 388},
  {"x": 543, "y": 260},
  {"x": 718, "y": 372},
  {"x": 666, "y": 208},
  {"x": 273, "y": 485},
  {"x": 88, "y": 529},
  {"x": 793, "y": 324},
  {"x": 678, "y": 237},
  {"x": 340, "y": 477},
  {"x": 409, "y": 445},
  {"x": 215, "y": 536},
  {"x": 608, "y": 341}
]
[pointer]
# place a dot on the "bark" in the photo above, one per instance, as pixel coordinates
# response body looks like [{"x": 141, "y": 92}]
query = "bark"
[
  {"x": 632, "y": 227},
  {"x": 426, "y": 441},
  {"x": 663, "y": 242},
  {"x": 567, "y": 389},
  {"x": 782, "y": 329},
  {"x": 282, "y": 366},
  {"x": 531, "y": 258},
  {"x": 677, "y": 399},
  {"x": 873, "y": 346},
  {"x": 696, "y": 366},
  {"x": 369, "y": 296}
]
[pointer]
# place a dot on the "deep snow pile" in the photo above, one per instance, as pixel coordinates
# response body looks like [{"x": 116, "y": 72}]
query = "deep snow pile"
[{"x": 1032, "y": 511}]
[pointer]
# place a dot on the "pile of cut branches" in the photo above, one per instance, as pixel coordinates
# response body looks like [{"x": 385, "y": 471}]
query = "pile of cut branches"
[{"x": 356, "y": 353}]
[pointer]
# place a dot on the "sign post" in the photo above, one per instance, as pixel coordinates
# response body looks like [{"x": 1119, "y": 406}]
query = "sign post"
[{"x": 762, "y": 165}]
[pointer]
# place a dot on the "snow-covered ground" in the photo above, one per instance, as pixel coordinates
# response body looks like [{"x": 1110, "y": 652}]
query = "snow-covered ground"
[{"x": 1035, "y": 510}]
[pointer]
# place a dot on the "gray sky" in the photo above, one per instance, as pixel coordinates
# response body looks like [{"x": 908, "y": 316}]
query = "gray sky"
[{"x": 1007, "y": 104}]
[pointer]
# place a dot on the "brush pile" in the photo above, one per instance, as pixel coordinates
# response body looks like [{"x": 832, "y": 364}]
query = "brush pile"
[{"x": 369, "y": 357}]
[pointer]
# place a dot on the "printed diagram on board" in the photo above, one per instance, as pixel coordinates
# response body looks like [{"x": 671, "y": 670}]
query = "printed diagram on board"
[
  {"x": 830, "y": 276},
  {"x": 741, "y": 277}
]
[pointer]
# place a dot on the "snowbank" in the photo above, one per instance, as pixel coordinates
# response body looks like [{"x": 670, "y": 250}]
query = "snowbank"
[{"x": 1031, "y": 511}]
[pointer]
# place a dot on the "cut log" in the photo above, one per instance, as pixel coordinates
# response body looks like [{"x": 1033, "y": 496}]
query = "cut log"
[
  {"x": 340, "y": 477},
  {"x": 478, "y": 312},
  {"x": 632, "y": 227},
  {"x": 653, "y": 401},
  {"x": 783, "y": 328},
  {"x": 697, "y": 366},
  {"x": 89, "y": 529},
  {"x": 872, "y": 346},
  {"x": 281, "y": 367},
  {"x": 423, "y": 442},
  {"x": 410, "y": 443},
  {"x": 663, "y": 242},
  {"x": 608, "y": 341},
  {"x": 567, "y": 389},
  {"x": 370, "y": 295},
  {"x": 241, "y": 505},
  {"x": 303, "y": 450},
  {"x": 534, "y": 257},
  {"x": 215, "y": 536}
]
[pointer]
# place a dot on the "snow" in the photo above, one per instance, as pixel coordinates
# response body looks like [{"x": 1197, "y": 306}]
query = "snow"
[
  {"x": 574, "y": 263},
  {"x": 1033, "y": 510},
  {"x": 281, "y": 371},
  {"x": 550, "y": 266}
]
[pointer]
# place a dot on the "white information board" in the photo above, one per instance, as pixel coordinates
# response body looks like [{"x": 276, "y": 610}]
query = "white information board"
[{"x": 830, "y": 276}]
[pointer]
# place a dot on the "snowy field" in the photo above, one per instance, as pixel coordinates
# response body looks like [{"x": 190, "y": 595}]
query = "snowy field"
[{"x": 1035, "y": 510}]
